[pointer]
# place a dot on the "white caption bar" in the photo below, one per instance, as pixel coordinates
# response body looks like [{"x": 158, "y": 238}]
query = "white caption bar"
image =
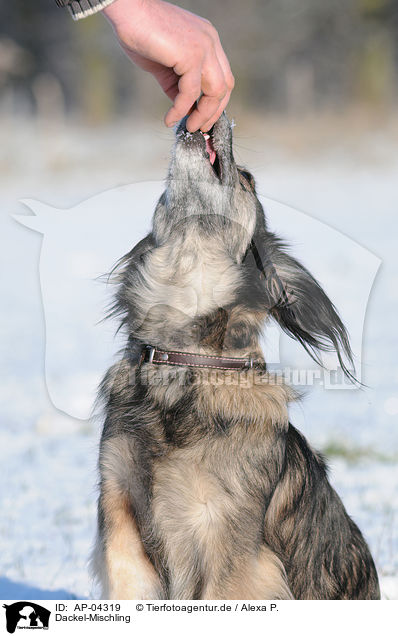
[{"x": 299, "y": 618}]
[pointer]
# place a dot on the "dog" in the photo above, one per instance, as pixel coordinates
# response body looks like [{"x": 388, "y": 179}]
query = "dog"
[{"x": 206, "y": 490}]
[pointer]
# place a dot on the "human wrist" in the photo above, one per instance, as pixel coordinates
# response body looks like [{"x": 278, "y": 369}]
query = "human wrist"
[
  {"x": 119, "y": 11},
  {"x": 134, "y": 22}
]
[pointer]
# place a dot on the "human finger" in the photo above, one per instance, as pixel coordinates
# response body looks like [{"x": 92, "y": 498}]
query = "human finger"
[
  {"x": 188, "y": 92},
  {"x": 207, "y": 125},
  {"x": 214, "y": 91}
]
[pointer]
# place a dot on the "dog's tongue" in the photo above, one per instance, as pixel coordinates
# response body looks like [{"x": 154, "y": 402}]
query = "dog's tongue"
[{"x": 209, "y": 148}]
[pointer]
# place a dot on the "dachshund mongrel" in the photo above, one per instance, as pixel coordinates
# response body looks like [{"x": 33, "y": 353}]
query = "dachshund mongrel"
[{"x": 206, "y": 490}]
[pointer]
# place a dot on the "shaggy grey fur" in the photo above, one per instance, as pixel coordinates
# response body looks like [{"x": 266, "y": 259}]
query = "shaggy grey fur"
[{"x": 206, "y": 489}]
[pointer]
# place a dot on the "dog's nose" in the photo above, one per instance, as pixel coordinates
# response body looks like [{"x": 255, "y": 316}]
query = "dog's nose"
[{"x": 181, "y": 127}]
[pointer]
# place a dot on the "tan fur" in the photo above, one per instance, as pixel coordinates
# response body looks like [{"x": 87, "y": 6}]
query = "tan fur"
[
  {"x": 188, "y": 509},
  {"x": 260, "y": 577},
  {"x": 196, "y": 493},
  {"x": 190, "y": 276},
  {"x": 262, "y": 397},
  {"x": 128, "y": 571}
]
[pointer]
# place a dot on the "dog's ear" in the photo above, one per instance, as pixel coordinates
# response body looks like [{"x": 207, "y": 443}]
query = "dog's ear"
[{"x": 298, "y": 303}]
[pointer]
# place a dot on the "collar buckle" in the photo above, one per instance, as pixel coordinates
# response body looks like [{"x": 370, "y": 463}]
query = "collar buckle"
[{"x": 149, "y": 353}]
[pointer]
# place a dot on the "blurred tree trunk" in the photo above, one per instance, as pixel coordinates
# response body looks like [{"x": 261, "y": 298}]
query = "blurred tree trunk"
[
  {"x": 95, "y": 71},
  {"x": 376, "y": 77},
  {"x": 375, "y": 68}
]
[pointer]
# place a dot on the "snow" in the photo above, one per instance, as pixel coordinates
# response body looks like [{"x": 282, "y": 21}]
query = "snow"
[{"x": 48, "y": 486}]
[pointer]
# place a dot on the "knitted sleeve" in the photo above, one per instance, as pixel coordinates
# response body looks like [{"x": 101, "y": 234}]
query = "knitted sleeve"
[{"x": 82, "y": 8}]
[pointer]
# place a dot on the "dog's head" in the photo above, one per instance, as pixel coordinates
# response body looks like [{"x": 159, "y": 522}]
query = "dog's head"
[
  {"x": 210, "y": 273},
  {"x": 206, "y": 189}
]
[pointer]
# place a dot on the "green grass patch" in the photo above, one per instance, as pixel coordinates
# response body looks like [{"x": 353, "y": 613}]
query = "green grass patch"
[{"x": 356, "y": 454}]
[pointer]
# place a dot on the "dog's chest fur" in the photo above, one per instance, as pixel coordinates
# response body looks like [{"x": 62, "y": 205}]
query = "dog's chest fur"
[{"x": 208, "y": 511}]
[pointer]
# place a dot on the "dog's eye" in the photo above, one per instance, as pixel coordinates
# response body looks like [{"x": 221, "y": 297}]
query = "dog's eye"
[
  {"x": 144, "y": 256},
  {"x": 246, "y": 179}
]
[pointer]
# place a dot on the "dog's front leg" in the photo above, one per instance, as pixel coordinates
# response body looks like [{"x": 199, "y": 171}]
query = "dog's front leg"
[
  {"x": 126, "y": 571},
  {"x": 120, "y": 561}
]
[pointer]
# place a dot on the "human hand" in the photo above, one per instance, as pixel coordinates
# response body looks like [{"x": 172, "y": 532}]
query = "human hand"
[{"x": 182, "y": 51}]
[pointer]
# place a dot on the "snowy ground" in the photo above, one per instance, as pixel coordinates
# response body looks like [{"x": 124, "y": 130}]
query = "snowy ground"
[{"x": 48, "y": 487}]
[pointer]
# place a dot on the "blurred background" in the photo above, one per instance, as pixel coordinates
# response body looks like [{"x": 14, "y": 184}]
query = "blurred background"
[
  {"x": 315, "y": 107},
  {"x": 289, "y": 58}
]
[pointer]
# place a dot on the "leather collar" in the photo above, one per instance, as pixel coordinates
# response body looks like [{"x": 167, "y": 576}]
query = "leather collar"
[{"x": 181, "y": 358}]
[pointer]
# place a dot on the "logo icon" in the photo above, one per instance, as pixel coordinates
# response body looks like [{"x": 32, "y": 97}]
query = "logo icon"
[{"x": 26, "y": 615}]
